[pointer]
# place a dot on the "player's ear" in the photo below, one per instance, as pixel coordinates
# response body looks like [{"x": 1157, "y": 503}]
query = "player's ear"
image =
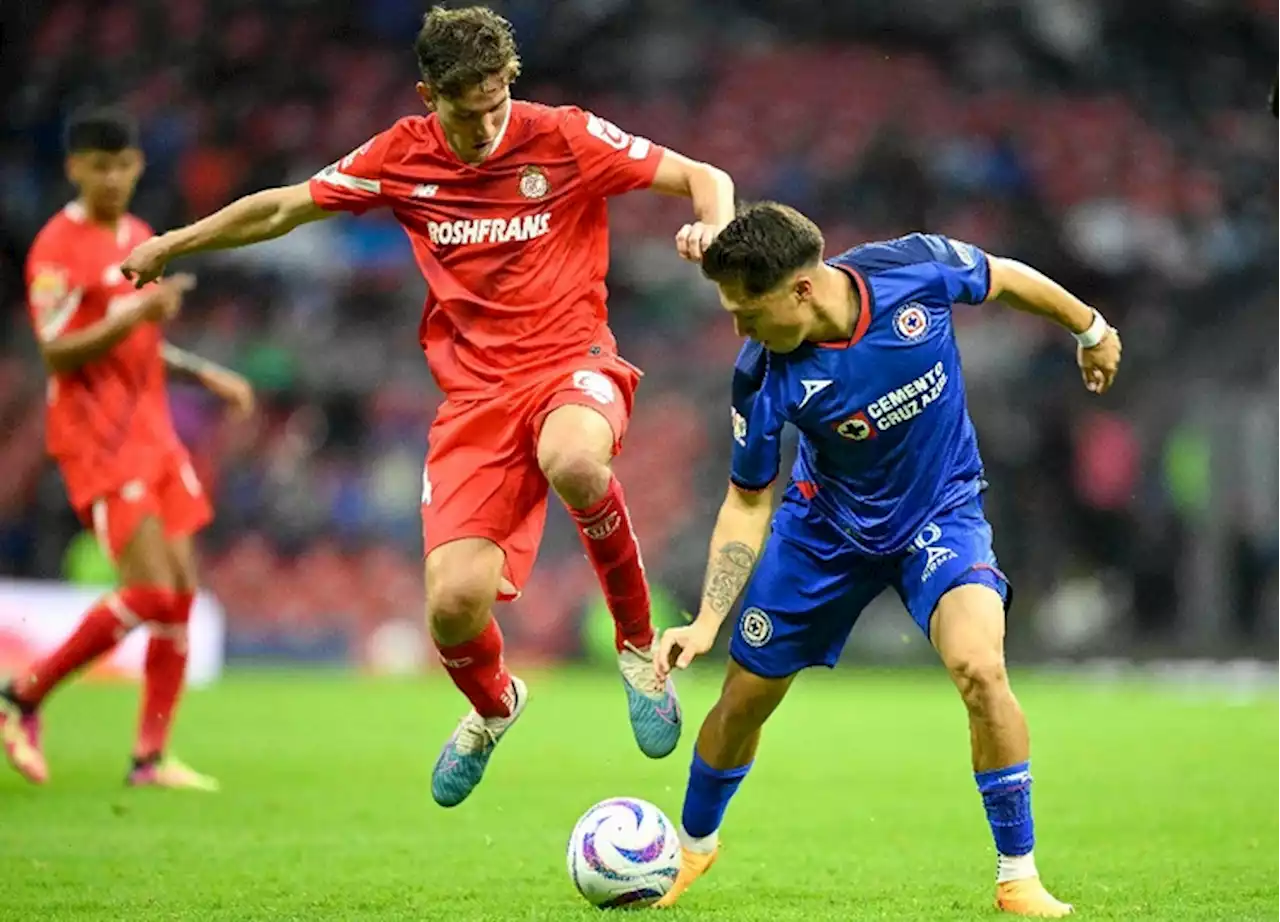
[
  {"x": 802, "y": 288},
  {"x": 424, "y": 93}
]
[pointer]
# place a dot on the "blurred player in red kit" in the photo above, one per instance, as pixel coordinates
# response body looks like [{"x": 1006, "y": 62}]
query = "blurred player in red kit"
[
  {"x": 109, "y": 428},
  {"x": 504, "y": 202}
]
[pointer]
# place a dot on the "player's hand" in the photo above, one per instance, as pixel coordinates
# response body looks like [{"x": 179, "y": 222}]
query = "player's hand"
[
  {"x": 145, "y": 263},
  {"x": 693, "y": 239},
  {"x": 1098, "y": 366},
  {"x": 165, "y": 300},
  {"x": 234, "y": 389},
  {"x": 680, "y": 646}
]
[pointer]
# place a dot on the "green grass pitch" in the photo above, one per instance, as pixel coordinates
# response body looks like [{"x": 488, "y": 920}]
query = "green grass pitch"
[{"x": 1151, "y": 804}]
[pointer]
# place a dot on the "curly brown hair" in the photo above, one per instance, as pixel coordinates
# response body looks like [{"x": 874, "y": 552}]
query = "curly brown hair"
[
  {"x": 761, "y": 247},
  {"x": 459, "y": 49}
]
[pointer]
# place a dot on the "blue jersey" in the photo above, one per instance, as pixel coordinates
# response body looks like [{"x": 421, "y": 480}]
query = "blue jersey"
[{"x": 886, "y": 442}]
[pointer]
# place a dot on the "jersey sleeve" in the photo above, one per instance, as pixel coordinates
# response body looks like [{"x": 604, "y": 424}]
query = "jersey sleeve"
[
  {"x": 962, "y": 268},
  {"x": 610, "y": 160},
  {"x": 757, "y": 424},
  {"x": 54, "y": 290},
  {"x": 354, "y": 183}
]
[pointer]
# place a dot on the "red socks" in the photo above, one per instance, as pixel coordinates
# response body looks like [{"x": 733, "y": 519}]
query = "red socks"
[
  {"x": 477, "y": 669},
  {"x": 167, "y": 614},
  {"x": 102, "y": 628},
  {"x": 164, "y": 671},
  {"x": 615, "y": 554}
]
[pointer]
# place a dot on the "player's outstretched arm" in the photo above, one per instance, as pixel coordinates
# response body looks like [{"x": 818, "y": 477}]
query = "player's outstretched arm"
[
  {"x": 65, "y": 352},
  {"x": 739, "y": 533},
  {"x": 711, "y": 191},
  {"x": 252, "y": 219},
  {"x": 1025, "y": 289},
  {"x": 235, "y": 389}
]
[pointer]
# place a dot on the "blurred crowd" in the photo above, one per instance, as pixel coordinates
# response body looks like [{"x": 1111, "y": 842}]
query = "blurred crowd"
[{"x": 1096, "y": 141}]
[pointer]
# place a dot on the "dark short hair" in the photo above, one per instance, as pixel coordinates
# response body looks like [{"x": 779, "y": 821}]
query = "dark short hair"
[
  {"x": 459, "y": 49},
  {"x": 760, "y": 247},
  {"x": 101, "y": 128}
]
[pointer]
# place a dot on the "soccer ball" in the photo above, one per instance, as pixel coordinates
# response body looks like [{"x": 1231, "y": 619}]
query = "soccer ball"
[{"x": 623, "y": 852}]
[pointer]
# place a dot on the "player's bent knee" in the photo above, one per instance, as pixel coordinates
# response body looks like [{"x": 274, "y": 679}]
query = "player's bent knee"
[
  {"x": 968, "y": 632},
  {"x": 577, "y": 474},
  {"x": 462, "y": 583},
  {"x": 461, "y": 593},
  {"x": 980, "y": 677},
  {"x": 574, "y": 449},
  {"x": 457, "y": 608}
]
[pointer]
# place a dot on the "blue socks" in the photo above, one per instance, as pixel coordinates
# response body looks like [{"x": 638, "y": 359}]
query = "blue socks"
[
  {"x": 707, "y": 796},
  {"x": 1006, "y": 793}
]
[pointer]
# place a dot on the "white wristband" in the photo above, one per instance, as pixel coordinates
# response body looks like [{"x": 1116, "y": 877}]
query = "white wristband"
[{"x": 1095, "y": 334}]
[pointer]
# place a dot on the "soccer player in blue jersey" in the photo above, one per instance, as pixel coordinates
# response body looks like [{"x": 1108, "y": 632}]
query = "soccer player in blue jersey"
[{"x": 859, "y": 354}]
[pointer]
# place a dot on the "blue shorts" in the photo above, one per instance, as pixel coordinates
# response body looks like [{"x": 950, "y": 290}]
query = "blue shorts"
[{"x": 811, "y": 584}]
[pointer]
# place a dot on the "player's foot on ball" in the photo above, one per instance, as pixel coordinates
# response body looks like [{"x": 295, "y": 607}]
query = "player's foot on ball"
[
  {"x": 652, "y": 704},
  {"x": 1029, "y": 898},
  {"x": 464, "y": 758},
  {"x": 20, "y": 732},
  {"x": 692, "y": 866},
  {"x": 169, "y": 773}
]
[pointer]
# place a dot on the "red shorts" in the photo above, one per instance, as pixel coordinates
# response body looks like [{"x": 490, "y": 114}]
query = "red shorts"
[
  {"x": 174, "y": 496},
  {"x": 482, "y": 479}
]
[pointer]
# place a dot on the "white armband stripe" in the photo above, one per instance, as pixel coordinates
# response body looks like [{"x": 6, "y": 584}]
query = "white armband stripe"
[
  {"x": 56, "y": 321},
  {"x": 334, "y": 177}
]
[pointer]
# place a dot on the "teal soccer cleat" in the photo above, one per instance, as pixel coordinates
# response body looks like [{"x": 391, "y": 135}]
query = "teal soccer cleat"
[
  {"x": 464, "y": 758},
  {"x": 654, "y": 708}
]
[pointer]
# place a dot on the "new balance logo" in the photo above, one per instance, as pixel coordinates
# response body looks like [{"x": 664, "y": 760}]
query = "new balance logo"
[
  {"x": 811, "y": 388},
  {"x": 425, "y": 190},
  {"x": 461, "y": 663}
]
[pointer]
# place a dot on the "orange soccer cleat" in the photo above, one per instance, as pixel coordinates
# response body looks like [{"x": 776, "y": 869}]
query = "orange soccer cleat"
[
  {"x": 1029, "y": 898},
  {"x": 692, "y": 866}
]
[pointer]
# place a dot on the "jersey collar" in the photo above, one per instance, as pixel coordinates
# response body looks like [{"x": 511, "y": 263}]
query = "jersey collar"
[
  {"x": 76, "y": 213},
  {"x": 864, "y": 308}
]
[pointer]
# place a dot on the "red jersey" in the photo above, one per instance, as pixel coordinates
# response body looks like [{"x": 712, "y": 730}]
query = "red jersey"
[
  {"x": 514, "y": 249},
  {"x": 107, "y": 422}
]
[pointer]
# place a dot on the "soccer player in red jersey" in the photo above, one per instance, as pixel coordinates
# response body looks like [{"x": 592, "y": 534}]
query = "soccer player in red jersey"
[
  {"x": 109, "y": 428},
  {"x": 505, "y": 204}
]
